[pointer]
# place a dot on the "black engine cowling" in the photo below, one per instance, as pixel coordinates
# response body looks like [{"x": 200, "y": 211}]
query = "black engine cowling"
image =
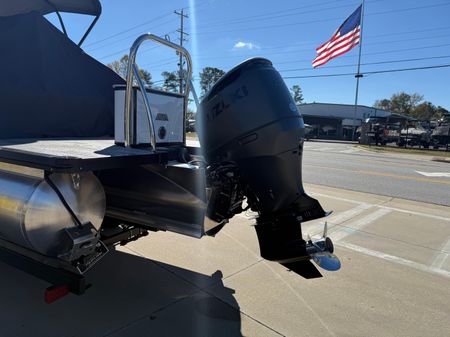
[{"x": 249, "y": 120}]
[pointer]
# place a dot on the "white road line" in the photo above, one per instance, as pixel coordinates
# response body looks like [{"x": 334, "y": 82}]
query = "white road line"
[
  {"x": 311, "y": 150},
  {"x": 442, "y": 256},
  {"x": 395, "y": 259},
  {"x": 323, "y": 149},
  {"x": 349, "y": 151},
  {"x": 337, "y": 219},
  {"x": 347, "y": 215},
  {"x": 437, "y": 217},
  {"x": 341, "y": 233},
  {"x": 434, "y": 174},
  {"x": 335, "y": 198}
]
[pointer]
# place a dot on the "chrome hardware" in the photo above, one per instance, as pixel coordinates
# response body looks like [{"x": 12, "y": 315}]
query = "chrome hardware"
[
  {"x": 321, "y": 251},
  {"x": 76, "y": 181},
  {"x": 133, "y": 71}
]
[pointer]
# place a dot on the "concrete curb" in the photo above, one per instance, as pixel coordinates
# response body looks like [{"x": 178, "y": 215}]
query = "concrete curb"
[{"x": 333, "y": 141}]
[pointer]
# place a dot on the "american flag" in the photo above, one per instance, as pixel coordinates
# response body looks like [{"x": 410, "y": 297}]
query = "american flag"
[{"x": 345, "y": 38}]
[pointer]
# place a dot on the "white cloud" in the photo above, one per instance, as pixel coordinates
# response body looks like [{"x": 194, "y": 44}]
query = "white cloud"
[{"x": 248, "y": 45}]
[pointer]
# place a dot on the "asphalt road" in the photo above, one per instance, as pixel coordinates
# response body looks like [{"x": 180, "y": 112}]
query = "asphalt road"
[{"x": 349, "y": 167}]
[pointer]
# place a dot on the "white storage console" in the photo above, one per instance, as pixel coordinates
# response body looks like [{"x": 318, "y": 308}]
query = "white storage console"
[{"x": 167, "y": 114}]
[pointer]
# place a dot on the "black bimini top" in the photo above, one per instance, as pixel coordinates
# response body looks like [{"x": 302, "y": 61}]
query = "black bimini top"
[
  {"x": 16, "y": 7},
  {"x": 49, "y": 87}
]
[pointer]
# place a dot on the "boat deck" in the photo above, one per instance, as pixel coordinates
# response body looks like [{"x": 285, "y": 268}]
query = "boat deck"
[{"x": 75, "y": 155}]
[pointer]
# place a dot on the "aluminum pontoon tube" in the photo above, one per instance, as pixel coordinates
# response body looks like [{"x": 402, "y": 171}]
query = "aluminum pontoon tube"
[{"x": 33, "y": 216}]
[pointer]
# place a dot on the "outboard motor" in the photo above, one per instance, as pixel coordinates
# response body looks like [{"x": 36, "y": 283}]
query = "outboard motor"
[{"x": 252, "y": 136}]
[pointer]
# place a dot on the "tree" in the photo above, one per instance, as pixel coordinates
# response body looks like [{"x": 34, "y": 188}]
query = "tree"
[
  {"x": 411, "y": 105},
  {"x": 297, "y": 94},
  {"x": 383, "y": 104},
  {"x": 146, "y": 76},
  {"x": 401, "y": 103},
  {"x": 209, "y": 76},
  {"x": 121, "y": 67},
  {"x": 404, "y": 103},
  {"x": 425, "y": 111},
  {"x": 171, "y": 81},
  {"x": 442, "y": 113}
]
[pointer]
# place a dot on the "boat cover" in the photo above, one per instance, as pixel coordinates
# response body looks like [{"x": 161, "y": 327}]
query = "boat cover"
[
  {"x": 14, "y": 7},
  {"x": 442, "y": 130},
  {"x": 48, "y": 86}
]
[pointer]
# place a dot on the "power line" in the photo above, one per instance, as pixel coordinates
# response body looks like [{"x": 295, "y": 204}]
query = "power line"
[
  {"x": 133, "y": 35},
  {"x": 407, "y": 49},
  {"x": 371, "y": 72},
  {"x": 367, "y": 54},
  {"x": 416, "y": 31},
  {"x": 324, "y": 20},
  {"x": 366, "y": 73},
  {"x": 159, "y": 64},
  {"x": 372, "y": 36},
  {"x": 409, "y": 32},
  {"x": 289, "y": 11},
  {"x": 405, "y": 69},
  {"x": 125, "y": 50},
  {"x": 383, "y": 52},
  {"x": 129, "y": 29},
  {"x": 271, "y": 16},
  {"x": 198, "y": 5},
  {"x": 115, "y": 53},
  {"x": 140, "y": 25},
  {"x": 370, "y": 63},
  {"x": 264, "y": 15},
  {"x": 409, "y": 9},
  {"x": 345, "y": 56},
  {"x": 370, "y": 44},
  {"x": 410, "y": 39},
  {"x": 269, "y": 26}
]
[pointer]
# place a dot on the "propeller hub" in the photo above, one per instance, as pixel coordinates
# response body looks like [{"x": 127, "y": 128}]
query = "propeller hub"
[
  {"x": 329, "y": 245},
  {"x": 321, "y": 252}
]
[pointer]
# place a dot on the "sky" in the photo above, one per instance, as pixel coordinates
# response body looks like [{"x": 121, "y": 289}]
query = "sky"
[{"x": 222, "y": 33}]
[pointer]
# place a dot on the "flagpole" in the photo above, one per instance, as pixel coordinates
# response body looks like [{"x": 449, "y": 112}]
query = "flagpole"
[{"x": 358, "y": 74}]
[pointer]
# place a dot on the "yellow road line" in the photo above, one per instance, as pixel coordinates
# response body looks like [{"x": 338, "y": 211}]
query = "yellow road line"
[
  {"x": 431, "y": 180},
  {"x": 388, "y": 163},
  {"x": 384, "y": 174}
]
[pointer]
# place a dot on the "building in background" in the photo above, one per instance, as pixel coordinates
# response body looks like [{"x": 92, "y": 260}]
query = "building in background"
[{"x": 335, "y": 121}]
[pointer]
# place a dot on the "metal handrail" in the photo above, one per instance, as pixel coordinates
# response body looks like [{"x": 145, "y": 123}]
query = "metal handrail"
[{"x": 130, "y": 120}]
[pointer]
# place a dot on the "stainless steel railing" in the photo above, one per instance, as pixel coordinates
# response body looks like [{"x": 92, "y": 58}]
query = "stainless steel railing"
[{"x": 133, "y": 72}]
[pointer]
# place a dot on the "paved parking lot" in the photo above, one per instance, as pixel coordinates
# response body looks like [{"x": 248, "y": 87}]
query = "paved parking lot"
[{"x": 394, "y": 281}]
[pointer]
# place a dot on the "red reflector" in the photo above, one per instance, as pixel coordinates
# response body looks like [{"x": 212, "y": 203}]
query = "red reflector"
[{"x": 55, "y": 293}]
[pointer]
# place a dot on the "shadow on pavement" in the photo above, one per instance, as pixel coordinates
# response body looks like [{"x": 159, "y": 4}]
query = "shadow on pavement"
[{"x": 131, "y": 296}]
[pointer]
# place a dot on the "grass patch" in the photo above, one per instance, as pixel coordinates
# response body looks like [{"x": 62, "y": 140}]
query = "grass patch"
[{"x": 433, "y": 153}]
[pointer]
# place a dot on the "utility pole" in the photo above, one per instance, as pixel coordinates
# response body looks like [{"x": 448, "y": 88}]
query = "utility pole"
[
  {"x": 358, "y": 73},
  {"x": 181, "y": 39}
]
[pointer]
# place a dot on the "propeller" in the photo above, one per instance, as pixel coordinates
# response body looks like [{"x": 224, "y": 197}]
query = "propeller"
[{"x": 321, "y": 251}]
